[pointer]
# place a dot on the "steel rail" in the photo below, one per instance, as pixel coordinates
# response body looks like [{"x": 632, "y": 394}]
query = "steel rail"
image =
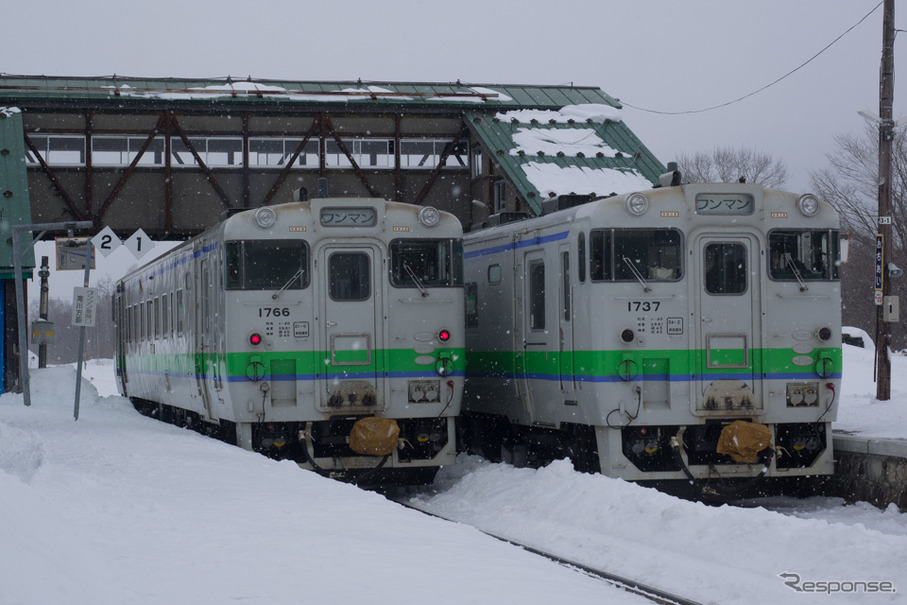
[{"x": 656, "y": 595}]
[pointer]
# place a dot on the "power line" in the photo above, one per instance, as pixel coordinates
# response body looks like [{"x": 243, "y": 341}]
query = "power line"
[{"x": 767, "y": 86}]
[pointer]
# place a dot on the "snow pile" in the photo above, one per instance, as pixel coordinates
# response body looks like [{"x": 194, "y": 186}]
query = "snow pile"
[
  {"x": 118, "y": 508},
  {"x": 121, "y": 509},
  {"x": 859, "y": 412},
  {"x": 721, "y": 555}
]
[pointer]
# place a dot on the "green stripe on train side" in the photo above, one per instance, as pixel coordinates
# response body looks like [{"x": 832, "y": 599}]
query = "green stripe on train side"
[
  {"x": 382, "y": 361},
  {"x": 674, "y": 363}
]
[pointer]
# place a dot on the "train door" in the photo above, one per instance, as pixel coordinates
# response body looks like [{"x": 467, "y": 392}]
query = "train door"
[
  {"x": 565, "y": 321},
  {"x": 121, "y": 319},
  {"x": 535, "y": 328},
  {"x": 204, "y": 335},
  {"x": 729, "y": 320},
  {"x": 352, "y": 279}
]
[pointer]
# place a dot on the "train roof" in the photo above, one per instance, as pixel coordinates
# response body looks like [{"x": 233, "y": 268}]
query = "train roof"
[{"x": 766, "y": 202}]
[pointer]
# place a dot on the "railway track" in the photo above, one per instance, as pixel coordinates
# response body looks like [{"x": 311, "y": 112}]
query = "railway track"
[{"x": 654, "y": 594}]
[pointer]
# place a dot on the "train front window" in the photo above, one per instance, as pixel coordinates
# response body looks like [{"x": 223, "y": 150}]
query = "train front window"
[
  {"x": 725, "y": 268},
  {"x": 627, "y": 254},
  {"x": 426, "y": 263},
  {"x": 267, "y": 265},
  {"x": 810, "y": 255}
]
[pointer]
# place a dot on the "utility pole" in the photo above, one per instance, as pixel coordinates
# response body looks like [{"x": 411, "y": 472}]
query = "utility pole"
[{"x": 886, "y": 132}]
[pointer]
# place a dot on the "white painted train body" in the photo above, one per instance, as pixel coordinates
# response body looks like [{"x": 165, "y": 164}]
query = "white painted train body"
[
  {"x": 329, "y": 332},
  {"x": 638, "y": 333}
]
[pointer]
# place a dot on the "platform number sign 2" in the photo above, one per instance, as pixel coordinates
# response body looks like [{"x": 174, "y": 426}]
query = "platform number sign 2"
[{"x": 106, "y": 241}]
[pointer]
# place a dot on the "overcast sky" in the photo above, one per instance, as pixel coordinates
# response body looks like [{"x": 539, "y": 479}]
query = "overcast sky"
[{"x": 662, "y": 55}]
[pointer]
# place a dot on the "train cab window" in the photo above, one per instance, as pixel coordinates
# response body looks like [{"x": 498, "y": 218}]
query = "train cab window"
[
  {"x": 426, "y": 263},
  {"x": 803, "y": 255},
  {"x": 350, "y": 277},
  {"x": 631, "y": 254},
  {"x": 725, "y": 268},
  {"x": 267, "y": 265}
]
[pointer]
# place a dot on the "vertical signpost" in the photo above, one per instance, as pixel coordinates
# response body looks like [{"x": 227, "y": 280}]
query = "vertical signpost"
[
  {"x": 83, "y": 315},
  {"x": 84, "y": 300}
]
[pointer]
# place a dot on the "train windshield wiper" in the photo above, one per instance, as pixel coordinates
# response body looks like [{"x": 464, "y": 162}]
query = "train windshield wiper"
[
  {"x": 793, "y": 267},
  {"x": 296, "y": 276},
  {"x": 412, "y": 275},
  {"x": 637, "y": 274}
]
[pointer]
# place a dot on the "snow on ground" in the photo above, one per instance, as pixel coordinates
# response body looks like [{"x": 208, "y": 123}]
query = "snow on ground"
[{"x": 118, "y": 508}]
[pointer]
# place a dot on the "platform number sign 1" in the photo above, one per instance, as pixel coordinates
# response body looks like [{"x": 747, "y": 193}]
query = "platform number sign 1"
[
  {"x": 139, "y": 244},
  {"x": 106, "y": 241}
]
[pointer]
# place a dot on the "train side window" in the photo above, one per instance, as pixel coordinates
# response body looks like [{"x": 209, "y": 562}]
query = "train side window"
[
  {"x": 172, "y": 312},
  {"x": 350, "y": 278},
  {"x": 149, "y": 320},
  {"x": 581, "y": 256},
  {"x": 179, "y": 313},
  {"x": 537, "y": 296},
  {"x": 494, "y": 274},
  {"x": 157, "y": 318},
  {"x": 165, "y": 315},
  {"x": 233, "y": 254},
  {"x": 600, "y": 253},
  {"x": 471, "y": 292},
  {"x": 725, "y": 268}
]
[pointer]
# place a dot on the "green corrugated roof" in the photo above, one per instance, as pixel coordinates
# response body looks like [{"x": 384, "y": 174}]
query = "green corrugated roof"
[
  {"x": 119, "y": 89},
  {"x": 492, "y": 111},
  {"x": 606, "y": 154}
]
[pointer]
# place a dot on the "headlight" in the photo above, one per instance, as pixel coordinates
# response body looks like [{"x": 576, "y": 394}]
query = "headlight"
[
  {"x": 265, "y": 217},
  {"x": 429, "y": 216},
  {"x": 808, "y": 204},
  {"x": 637, "y": 204}
]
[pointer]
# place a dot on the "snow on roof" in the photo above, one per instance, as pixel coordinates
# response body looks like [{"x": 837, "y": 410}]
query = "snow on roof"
[
  {"x": 587, "y": 112},
  {"x": 553, "y": 180},
  {"x": 251, "y": 88},
  {"x": 569, "y": 141}
]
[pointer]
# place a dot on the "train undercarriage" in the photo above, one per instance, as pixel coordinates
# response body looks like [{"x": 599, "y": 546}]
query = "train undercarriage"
[
  {"x": 420, "y": 445},
  {"x": 667, "y": 457}
]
